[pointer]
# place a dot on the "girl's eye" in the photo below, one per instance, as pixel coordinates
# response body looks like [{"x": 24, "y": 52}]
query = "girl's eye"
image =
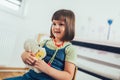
[
  {"x": 61, "y": 24},
  {"x": 53, "y": 24}
]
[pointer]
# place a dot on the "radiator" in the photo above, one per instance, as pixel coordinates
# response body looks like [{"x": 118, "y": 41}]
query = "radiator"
[{"x": 7, "y": 45}]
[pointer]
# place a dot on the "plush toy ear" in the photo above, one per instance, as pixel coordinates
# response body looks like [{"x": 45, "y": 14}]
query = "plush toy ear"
[
  {"x": 44, "y": 52},
  {"x": 27, "y": 45},
  {"x": 31, "y": 45}
]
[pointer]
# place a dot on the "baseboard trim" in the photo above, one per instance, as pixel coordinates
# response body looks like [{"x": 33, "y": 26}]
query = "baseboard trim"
[{"x": 13, "y": 69}]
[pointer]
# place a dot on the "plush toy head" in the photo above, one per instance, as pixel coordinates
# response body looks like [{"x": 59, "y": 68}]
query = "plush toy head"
[{"x": 31, "y": 45}]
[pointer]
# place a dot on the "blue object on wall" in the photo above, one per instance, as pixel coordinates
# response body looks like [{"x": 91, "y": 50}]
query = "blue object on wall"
[{"x": 109, "y": 23}]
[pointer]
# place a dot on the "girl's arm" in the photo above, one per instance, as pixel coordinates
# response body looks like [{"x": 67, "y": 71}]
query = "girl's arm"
[{"x": 67, "y": 74}]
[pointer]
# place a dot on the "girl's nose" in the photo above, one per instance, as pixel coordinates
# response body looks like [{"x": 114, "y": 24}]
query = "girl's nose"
[{"x": 57, "y": 26}]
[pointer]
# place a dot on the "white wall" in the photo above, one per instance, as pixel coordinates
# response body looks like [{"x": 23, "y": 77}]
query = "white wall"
[
  {"x": 91, "y": 20},
  {"x": 93, "y": 16}
]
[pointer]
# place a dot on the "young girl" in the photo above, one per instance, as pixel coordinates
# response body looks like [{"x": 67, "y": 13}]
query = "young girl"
[{"x": 59, "y": 63}]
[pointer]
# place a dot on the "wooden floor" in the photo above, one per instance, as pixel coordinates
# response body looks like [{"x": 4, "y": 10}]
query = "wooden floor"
[
  {"x": 6, "y": 72},
  {"x": 9, "y": 74}
]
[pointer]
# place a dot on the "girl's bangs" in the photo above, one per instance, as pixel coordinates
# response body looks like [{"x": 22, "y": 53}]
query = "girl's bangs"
[{"x": 61, "y": 18}]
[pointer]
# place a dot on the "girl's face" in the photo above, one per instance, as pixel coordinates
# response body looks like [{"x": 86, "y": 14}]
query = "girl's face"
[{"x": 58, "y": 29}]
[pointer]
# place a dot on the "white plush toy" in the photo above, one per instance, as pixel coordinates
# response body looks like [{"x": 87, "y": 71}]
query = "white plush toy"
[{"x": 31, "y": 45}]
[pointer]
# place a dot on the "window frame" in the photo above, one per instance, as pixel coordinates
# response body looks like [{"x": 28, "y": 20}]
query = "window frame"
[{"x": 19, "y": 12}]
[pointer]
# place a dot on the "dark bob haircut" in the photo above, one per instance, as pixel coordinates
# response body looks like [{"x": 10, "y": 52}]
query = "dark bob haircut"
[{"x": 69, "y": 18}]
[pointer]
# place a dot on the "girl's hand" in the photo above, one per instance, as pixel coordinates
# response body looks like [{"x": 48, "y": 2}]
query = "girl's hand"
[
  {"x": 28, "y": 58},
  {"x": 41, "y": 65}
]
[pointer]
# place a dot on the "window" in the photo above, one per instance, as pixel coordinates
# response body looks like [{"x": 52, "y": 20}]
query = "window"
[{"x": 12, "y": 6}]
